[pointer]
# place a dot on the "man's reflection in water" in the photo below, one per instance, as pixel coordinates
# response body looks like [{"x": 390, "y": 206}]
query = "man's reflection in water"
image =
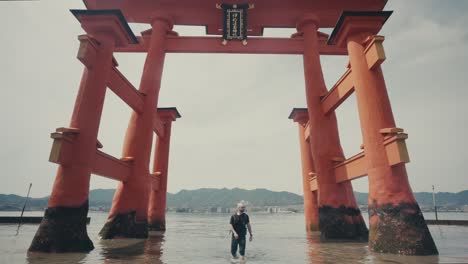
[{"x": 146, "y": 250}]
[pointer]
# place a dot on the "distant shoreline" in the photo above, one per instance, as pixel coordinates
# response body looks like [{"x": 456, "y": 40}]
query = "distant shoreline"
[{"x": 224, "y": 200}]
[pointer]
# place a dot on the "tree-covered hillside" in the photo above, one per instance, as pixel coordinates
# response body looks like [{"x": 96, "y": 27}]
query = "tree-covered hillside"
[{"x": 204, "y": 198}]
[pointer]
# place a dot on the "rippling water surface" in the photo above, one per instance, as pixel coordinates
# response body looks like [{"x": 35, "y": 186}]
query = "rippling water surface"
[{"x": 203, "y": 238}]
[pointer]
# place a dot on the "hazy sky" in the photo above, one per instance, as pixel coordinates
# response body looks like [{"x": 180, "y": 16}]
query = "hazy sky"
[{"x": 234, "y": 134}]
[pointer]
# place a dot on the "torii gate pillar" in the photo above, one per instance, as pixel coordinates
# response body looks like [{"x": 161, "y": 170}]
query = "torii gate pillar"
[
  {"x": 128, "y": 216},
  {"x": 339, "y": 214},
  {"x": 396, "y": 222},
  {"x": 301, "y": 117},
  {"x": 63, "y": 228},
  {"x": 158, "y": 193}
]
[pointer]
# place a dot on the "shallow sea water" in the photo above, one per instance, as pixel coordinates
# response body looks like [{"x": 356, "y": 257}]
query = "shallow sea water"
[{"x": 204, "y": 239}]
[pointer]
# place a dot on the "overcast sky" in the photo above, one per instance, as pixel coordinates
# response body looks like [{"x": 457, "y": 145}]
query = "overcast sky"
[{"x": 234, "y": 134}]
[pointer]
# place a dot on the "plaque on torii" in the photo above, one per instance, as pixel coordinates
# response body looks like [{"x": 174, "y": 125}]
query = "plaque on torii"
[{"x": 235, "y": 22}]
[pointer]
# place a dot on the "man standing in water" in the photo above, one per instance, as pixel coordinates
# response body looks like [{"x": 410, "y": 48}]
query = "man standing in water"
[{"x": 238, "y": 223}]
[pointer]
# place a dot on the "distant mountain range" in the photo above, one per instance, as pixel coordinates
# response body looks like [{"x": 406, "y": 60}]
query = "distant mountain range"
[{"x": 204, "y": 198}]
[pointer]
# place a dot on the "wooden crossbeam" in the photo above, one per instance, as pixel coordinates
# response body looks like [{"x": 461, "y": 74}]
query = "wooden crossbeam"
[
  {"x": 356, "y": 166},
  {"x": 110, "y": 167},
  {"x": 256, "y": 45},
  {"x": 338, "y": 93},
  {"x": 158, "y": 125},
  {"x": 352, "y": 168},
  {"x": 103, "y": 164},
  {"x": 125, "y": 90}
]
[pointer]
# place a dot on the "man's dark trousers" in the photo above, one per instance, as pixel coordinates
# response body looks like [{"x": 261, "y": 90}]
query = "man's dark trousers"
[{"x": 238, "y": 242}]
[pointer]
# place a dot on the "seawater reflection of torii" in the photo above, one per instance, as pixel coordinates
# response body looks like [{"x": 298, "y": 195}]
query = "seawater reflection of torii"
[{"x": 330, "y": 205}]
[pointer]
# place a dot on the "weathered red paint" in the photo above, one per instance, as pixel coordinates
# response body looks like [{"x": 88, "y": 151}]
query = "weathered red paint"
[
  {"x": 133, "y": 195},
  {"x": 259, "y": 45},
  {"x": 157, "y": 201},
  {"x": 390, "y": 196},
  {"x": 301, "y": 116},
  {"x": 338, "y": 93},
  {"x": 325, "y": 144},
  {"x": 71, "y": 187},
  {"x": 387, "y": 184},
  {"x": 125, "y": 90}
]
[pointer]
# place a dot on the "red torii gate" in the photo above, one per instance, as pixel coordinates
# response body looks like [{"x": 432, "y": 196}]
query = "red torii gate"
[{"x": 396, "y": 222}]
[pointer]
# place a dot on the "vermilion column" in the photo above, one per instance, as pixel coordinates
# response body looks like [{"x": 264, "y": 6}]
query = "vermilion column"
[
  {"x": 157, "y": 202},
  {"x": 128, "y": 215},
  {"x": 396, "y": 222},
  {"x": 301, "y": 116},
  {"x": 339, "y": 215},
  {"x": 63, "y": 228}
]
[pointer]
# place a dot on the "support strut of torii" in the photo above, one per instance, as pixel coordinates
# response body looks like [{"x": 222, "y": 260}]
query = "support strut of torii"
[{"x": 396, "y": 221}]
